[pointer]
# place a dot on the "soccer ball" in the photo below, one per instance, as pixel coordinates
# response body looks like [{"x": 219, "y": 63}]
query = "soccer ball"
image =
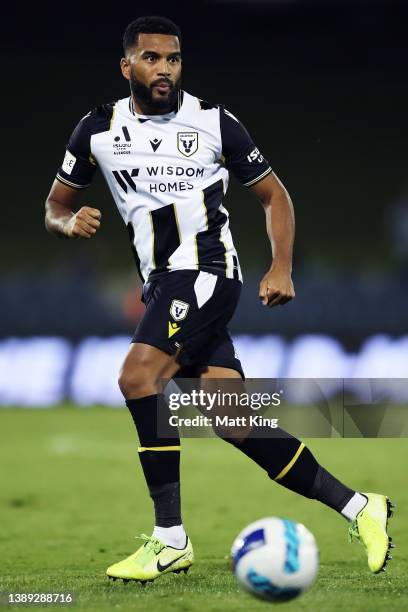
[{"x": 275, "y": 559}]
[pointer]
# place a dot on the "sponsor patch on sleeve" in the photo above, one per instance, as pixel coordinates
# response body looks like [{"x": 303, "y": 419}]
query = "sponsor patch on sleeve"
[{"x": 68, "y": 163}]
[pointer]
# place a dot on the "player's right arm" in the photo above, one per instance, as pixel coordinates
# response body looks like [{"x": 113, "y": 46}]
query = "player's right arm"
[{"x": 62, "y": 216}]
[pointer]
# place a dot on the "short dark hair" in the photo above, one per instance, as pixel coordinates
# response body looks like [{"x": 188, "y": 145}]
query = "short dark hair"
[{"x": 148, "y": 25}]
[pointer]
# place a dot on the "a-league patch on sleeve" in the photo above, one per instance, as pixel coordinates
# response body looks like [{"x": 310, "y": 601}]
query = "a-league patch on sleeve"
[{"x": 68, "y": 163}]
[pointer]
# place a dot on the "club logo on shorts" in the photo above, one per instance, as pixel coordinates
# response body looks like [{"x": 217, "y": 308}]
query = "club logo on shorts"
[
  {"x": 179, "y": 310},
  {"x": 187, "y": 143}
]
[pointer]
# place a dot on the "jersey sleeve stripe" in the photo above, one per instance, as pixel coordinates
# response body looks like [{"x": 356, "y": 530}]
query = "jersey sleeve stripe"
[
  {"x": 62, "y": 180},
  {"x": 258, "y": 178}
]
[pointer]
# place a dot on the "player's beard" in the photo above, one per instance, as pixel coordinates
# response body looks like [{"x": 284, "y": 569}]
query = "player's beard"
[{"x": 144, "y": 94}]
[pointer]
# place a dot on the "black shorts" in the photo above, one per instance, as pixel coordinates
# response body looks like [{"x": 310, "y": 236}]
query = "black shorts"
[{"x": 188, "y": 311}]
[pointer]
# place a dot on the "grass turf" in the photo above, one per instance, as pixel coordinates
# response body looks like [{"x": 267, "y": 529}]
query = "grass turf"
[{"x": 72, "y": 498}]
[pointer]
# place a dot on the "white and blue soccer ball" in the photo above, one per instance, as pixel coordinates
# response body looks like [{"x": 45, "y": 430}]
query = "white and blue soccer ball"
[{"x": 275, "y": 559}]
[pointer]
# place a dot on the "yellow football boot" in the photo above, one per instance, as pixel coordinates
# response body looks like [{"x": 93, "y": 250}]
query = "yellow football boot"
[
  {"x": 370, "y": 528},
  {"x": 151, "y": 560}
]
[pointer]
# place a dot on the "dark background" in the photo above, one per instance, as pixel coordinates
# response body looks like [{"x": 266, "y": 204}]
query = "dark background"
[{"x": 322, "y": 88}]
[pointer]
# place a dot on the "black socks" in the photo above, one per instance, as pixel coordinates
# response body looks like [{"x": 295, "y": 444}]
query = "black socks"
[
  {"x": 167, "y": 505},
  {"x": 159, "y": 454},
  {"x": 330, "y": 491},
  {"x": 285, "y": 459},
  {"x": 290, "y": 463}
]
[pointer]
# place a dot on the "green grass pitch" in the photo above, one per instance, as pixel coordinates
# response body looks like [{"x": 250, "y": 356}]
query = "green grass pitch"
[{"x": 72, "y": 498}]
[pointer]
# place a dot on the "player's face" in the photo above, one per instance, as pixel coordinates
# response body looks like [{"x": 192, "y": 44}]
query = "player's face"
[{"x": 153, "y": 69}]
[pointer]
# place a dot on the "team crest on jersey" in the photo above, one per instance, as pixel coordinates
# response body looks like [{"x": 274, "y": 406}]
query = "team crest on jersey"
[
  {"x": 187, "y": 143},
  {"x": 179, "y": 310}
]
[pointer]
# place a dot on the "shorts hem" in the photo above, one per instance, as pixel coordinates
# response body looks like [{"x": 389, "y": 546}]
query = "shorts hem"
[
  {"x": 223, "y": 365},
  {"x": 157, "y": 344}
]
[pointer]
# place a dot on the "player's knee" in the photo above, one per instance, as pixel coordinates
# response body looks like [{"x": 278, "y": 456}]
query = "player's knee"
[{"x": 137, "y": 382}]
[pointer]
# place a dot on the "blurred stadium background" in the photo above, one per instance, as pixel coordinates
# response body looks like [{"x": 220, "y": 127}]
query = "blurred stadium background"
[{"x": 321, "y": 87}]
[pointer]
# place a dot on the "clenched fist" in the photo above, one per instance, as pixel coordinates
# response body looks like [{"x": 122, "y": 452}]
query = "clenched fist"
[
  {"x": 84, "y": 223},
  {"x": 276, "y": 287}
]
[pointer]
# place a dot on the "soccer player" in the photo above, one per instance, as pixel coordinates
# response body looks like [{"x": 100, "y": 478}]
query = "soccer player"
[{"x": 166, "y": 156}]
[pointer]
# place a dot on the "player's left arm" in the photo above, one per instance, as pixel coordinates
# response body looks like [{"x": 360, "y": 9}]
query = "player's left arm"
[
  {"x": 276, "y": 287},
  {"x": 253, "y": 170}
]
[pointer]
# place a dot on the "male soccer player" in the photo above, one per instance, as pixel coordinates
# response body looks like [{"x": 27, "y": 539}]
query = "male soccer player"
[{"x": 166, "y": 156}]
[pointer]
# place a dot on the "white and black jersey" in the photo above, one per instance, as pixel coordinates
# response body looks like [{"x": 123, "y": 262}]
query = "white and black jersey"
[{"x": 168, "y": 175}]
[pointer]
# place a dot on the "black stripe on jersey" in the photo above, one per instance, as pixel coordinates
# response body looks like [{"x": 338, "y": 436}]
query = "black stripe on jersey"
[
  {"x": 235, "y": 268},
  {"x": 166, "y": 236},
  {"x": 211, "y": 251},
  {"x": 131, "y": 233}
]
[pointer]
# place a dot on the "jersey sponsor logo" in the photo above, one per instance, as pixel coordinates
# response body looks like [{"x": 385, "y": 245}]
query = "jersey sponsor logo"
[
  {"x": 174, "y": 171},
  {"x": 122, "y": 148},
  {"x": 179, "y": 310},
  {"x": 255, "y": 155},
  {"x": 177, "y": 186},
  {"x": 68, "y": 163},
  {"x": 187, "y": 143},
  {"x": 125, "y": 133},
  {"x": 155, "y": 144},
  {"x": 125, "y": 179}
]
